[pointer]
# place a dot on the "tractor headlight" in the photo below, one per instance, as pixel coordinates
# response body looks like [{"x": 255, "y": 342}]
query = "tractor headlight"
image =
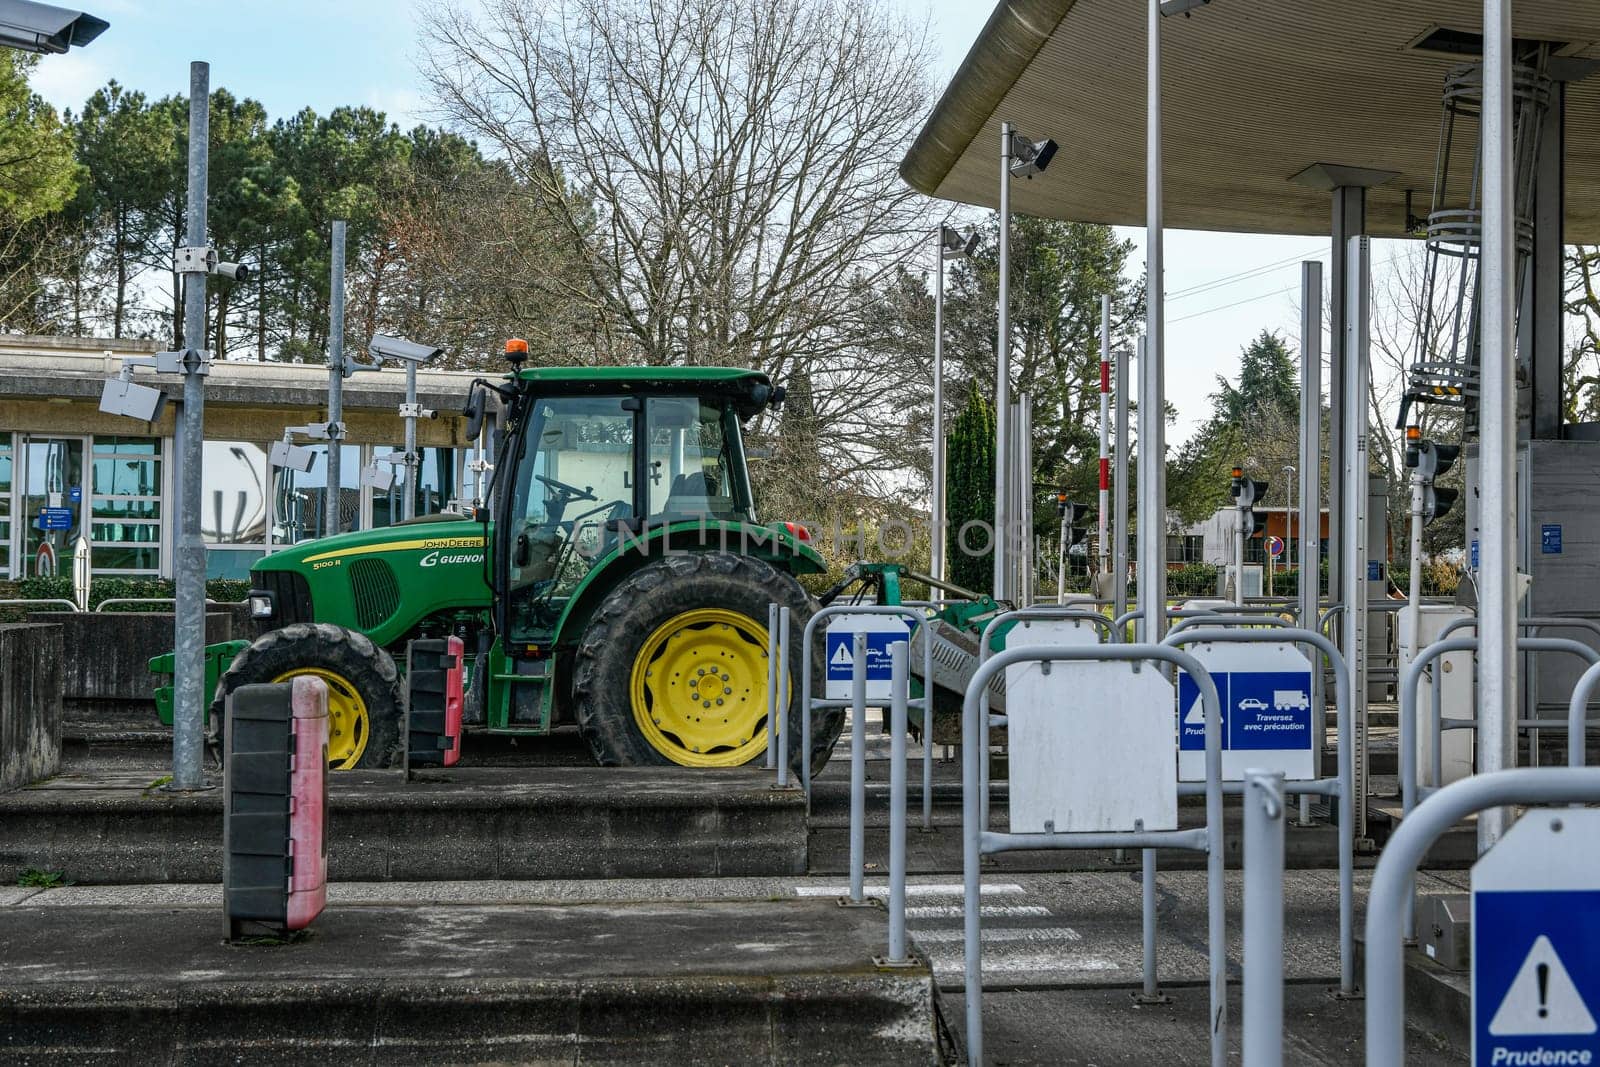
[{"x": 260, "y": 605}]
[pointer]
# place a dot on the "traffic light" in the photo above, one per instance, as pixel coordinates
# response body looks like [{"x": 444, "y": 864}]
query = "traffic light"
[
  {"x": 1428, "y": 460},
  {"x": 1247, "y": 493},
  {"x": 1072, "y": 516}
]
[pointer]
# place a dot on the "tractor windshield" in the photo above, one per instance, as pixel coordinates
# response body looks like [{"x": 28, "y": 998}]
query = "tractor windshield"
[{"x": 579, "y": 488}]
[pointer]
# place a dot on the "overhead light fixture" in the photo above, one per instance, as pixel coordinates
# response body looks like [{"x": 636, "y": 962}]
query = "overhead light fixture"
[
  {"x": 1030, "y": 157},
  {"x": 1181, "y": 7},
  {"x": 953, "y": 244}
]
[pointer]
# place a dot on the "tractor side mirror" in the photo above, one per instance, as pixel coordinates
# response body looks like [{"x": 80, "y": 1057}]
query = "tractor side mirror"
[{"x": 474, "y": 411}]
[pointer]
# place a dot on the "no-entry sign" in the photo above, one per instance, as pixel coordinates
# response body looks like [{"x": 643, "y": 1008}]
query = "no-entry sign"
[{"x": 1536, "y": 943}]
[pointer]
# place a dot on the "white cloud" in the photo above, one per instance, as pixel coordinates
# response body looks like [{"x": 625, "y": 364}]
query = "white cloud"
[{"x": 67, "y": 81}]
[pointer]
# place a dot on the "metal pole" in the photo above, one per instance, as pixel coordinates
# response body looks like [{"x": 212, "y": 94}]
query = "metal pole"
[
  {"x": 784, "y": 615},
  {"x": 330, "y": 509},
  {"x": 1353, "y": 513},
  {"x": 1147, "y": 911},
  {"x": 1497, "y": 425},
  {"x": 1061, "y": 561},
  {"x": 409, "y": 509},
  {"x": 1414, "y": 598},
  {"x": 899, "y": 683},
  {"x": 1105, "y": 436},
  {"x": 1238, "y": 558},
  {"x": 1119, "y": 551},
  {"x": 1152, "y": 448},
  {"x": 1310, "y": 589},
  {"x": 858, "y": 768},
  {"x": 937, "y": 509},
  {"x": 1002, "y": 383},
  {"x": 1288, "y": 524},
  {"x": 189, "y": 636},
  {"x": 927, "y": 736},
  {"x": 774, "y": 703},
  {"x": 1263, "y": 918}
]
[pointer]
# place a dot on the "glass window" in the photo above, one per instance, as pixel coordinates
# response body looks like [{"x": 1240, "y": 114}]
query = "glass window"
[
  {"x": 689, "y": 465},
  {"x": 125, "y": 485},
  {"x": 233, "y": 493},
  {"x": 51, "y": 473},
  {"x": 301, "y": 496},
  {"x": 574, "y": 482},
  {"x": 436, "y": 478}
]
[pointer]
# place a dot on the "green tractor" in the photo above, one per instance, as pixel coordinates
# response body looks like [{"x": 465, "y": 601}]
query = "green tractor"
[{"x": 619, "y": 581}]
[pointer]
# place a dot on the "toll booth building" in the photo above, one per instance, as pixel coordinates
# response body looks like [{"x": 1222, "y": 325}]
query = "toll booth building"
[{"x": 67, "y": 469}]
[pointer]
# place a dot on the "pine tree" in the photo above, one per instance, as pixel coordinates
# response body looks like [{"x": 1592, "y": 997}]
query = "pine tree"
[{"x": 969, "y": 495}]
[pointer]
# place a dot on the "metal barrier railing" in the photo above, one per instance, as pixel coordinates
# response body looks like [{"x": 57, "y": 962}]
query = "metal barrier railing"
[
  {"x": 809, "y": 706},
  {"x": 1389, "y": 900},
  {"x": 1341, "y": 787},
  {"x": 25, "y": 602},
  {"x": 1042, "y": 613},
  {"x": 978, "y": 840}
]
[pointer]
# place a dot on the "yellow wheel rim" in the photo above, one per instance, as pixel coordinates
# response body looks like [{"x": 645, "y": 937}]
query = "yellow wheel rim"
[
  {"x": 699, "y": 688},
  {"x": 347, "y": 716}
]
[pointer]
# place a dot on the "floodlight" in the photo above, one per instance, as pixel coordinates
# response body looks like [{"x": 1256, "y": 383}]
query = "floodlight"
[
  {"x": 32, "y": 27},
  {"x": 1030, "y": 157},
  {"x": 293, "y": 457},
  {"x": 377, "y": 477},
  {"x": 132, "y": 400},
  {"x": 953, "y": 244},
  {"x": 386, "y": 347}
]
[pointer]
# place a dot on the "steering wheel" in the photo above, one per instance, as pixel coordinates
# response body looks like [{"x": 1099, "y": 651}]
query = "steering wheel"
[{"x": 569, "y": 492}]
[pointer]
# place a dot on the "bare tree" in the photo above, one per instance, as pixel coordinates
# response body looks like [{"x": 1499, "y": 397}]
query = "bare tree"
[{"x": 727, "y": 167}]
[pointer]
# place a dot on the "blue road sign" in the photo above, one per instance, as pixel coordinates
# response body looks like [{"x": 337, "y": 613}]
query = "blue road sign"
[
  {"x": 1550, "y": 539},
  {"x": 1474, "y": 553},
  {"x": 54, "y": 519},
  {"x": 1274, "y": 546},
  {"x": 838, "y": 650},
  {"x": 1374, "y": 571},
  {"x": 1536, "y": 943},
  {"x": 1265, "y": 692}
]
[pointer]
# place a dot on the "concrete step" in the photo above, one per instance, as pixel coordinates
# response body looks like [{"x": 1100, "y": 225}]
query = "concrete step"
[
  {"x": 483, "y": 822},
  {"x": 784, "y": 981}
]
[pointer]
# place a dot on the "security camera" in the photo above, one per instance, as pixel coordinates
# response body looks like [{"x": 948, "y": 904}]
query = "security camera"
[
  {"x": 237, "y": 272},
  {"x": 293, "y": 457},
  {"x": 1030, "y": 157},
  {"x": 386, "y": 347},
  {"x": 132, "y": 400},
  {"x": 32, "y": 27}
]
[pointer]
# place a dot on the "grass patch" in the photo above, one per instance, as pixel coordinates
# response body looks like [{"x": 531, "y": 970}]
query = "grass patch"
[
  {"x": 158, "y": 783},
  {"x": 33, "y": 878}
]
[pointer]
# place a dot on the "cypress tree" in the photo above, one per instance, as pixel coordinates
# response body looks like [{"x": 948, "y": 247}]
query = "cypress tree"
[{"x": 969, "y": 495}]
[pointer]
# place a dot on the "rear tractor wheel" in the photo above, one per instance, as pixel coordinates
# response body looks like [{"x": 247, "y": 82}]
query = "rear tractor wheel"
[
  {"x": 673, "y": 666},
  {"x": 364, "y": 697}
]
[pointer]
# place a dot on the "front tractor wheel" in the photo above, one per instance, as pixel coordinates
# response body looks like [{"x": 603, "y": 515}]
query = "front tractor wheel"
[
  {"x": 673, "y": 665},
  {"x": 364, "y": 697}
]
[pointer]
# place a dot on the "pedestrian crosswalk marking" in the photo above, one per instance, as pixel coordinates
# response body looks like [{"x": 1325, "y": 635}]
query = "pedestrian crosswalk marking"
[
  {"x": 987, "y": 911},
  {"x": 998, "y": 889},
  {"x": 1002, "y": 933}
]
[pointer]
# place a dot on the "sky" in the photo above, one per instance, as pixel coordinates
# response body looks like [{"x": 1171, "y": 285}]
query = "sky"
[{"x": 1223, "y": 289}]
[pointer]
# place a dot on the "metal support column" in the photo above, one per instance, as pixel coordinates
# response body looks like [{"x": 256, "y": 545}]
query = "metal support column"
[
  {"x": 1543, "y": 316},
  {"x": 1152, "y": 404},
  {"x": 189, "y": 638},
  {"x": 1262, "y": 996},
  {"x": 1002, "y": 383},
  {"x": 936, "y": 510},
  {"x": 1119, "y": 524},
  {"x": 331, "y": 523},
  {"x": 1497, "y": 425},
  {"x": 413, "y": 461},
  {"x": 1103, "y": 523},
  {"x": 1353, "y": 511},
  {"x": 1349, "y": 220},
  {"x": 1310, "y": 440}
]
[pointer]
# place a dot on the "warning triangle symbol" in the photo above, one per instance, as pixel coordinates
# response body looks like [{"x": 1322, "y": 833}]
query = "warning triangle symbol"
[
  {"x": 1542, "y": 999},
  {"x": 1197, "y": 712},
  {"x": 842, "y": 657}
]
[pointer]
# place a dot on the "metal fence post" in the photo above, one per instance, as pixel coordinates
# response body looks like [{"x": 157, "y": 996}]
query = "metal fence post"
[
  {"x": 927, "y": 731},
  {"x": 773, "y": 701},
  {"x": 189, "y": 639},
  {"x": 1263, "y": 918},
  {"x": 784, "y": 615},
  {"x": 899, "y": 684},
  {"x": 858, "y": 768}
]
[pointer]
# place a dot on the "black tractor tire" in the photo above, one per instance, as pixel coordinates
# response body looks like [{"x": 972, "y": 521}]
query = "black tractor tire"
[
  {"x": 603, "y": 665},
  {"x": 346, "y": 653}
]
